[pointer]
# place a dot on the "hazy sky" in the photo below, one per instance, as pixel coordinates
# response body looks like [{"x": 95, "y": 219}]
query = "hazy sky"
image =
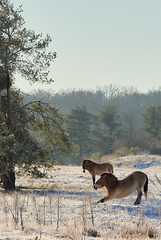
[{"x": 98, "y": 42}]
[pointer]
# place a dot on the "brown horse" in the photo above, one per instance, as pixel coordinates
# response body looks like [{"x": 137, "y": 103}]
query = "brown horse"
[
  {"x": 96, "y": 168},
  {"x": 122, "y": 188}
]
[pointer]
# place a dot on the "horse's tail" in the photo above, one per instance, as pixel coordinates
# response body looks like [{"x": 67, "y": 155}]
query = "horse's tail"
[{"x": 146, "y": 187}]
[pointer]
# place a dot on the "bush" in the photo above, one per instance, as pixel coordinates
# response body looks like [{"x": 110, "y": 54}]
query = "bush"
[
  {"x": 36, "y": 173},
  {"x": 96, "y": 156},
  {"x": 124, "y": 151},
  {"x": 155, "y": 150}
]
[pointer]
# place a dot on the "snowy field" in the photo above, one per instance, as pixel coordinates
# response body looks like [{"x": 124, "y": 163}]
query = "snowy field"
[{"x": 60, "y": 206}]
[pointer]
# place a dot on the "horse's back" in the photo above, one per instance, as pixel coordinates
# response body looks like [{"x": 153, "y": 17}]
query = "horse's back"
[
  {"x": 102, "y": 168},
  {"x": 109, "y": 167},
  {"x": 139, "y": 174},
  {"x": 137, "y": 177}
]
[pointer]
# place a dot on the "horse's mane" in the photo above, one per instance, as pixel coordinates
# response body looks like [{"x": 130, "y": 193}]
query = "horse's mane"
[
  {"x": 86, "y": 159},
  {"x": 110, "y": 175}
]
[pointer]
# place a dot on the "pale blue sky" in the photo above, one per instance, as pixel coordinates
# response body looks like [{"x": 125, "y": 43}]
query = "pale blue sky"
[{"x": 99, "y": 42}]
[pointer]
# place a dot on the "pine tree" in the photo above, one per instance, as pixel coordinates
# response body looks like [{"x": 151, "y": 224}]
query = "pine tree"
[
  {"x": 152, "y": 121},
  {"x": 79, "y": 128},
  {"x": 106, "y": 129},
  {"x": 21, "y": 51}
]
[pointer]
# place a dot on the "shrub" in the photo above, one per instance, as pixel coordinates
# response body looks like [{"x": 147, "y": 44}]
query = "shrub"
[
  {"x": 124, "y": 151},
  {"x": 155, "y": 150}
]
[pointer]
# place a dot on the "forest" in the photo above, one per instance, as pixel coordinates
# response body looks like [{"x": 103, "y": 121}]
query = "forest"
[{"x": 107, "y": 120}]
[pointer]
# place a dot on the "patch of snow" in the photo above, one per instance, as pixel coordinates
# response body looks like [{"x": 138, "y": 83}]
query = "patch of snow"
[{"x": 147, "y": 165}]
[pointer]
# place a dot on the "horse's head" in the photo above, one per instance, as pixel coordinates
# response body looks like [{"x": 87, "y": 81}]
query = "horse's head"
[
  {"x": 101, "y": 182},
  {"x": 107, "y": 180},
  {"x": 85, "y": 164}
]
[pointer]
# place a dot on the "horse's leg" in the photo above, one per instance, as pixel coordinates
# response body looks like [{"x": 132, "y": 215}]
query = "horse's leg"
[
  {"x": 104, "y": 199},
  {"x": 93, "y": 178},
  {"x": 139, "y": 195}
]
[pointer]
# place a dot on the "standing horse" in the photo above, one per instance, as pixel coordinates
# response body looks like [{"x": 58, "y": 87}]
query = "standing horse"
[
  {"x": 122, "y": 188},
  {"x": 96, "y": 168}
]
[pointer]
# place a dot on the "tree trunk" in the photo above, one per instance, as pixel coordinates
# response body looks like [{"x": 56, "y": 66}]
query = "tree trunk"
[
  {"x": 9, "y": 116},
  {"x": 0, "y": 107},
  {"x": 8, "y": 180},
  {"x": 8, "y": 176}
]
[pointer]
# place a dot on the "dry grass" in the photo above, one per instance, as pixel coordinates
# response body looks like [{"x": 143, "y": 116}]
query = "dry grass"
[{"x": 39, "y": 210}]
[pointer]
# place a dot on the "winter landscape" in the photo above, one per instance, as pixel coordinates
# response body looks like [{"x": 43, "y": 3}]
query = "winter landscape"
[{"x": 61, "y": 205}]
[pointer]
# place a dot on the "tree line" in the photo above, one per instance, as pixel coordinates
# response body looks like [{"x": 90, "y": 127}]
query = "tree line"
[{"x": 120, "y": 120}]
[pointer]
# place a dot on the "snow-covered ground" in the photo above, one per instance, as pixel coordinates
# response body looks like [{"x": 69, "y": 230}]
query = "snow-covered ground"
[{"x": 61, "y": 205}]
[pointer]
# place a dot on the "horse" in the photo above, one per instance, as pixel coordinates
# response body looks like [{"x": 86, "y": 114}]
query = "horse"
[
  {"x": 96, "y": 168},
  {"x": 117, "y": 189}
]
